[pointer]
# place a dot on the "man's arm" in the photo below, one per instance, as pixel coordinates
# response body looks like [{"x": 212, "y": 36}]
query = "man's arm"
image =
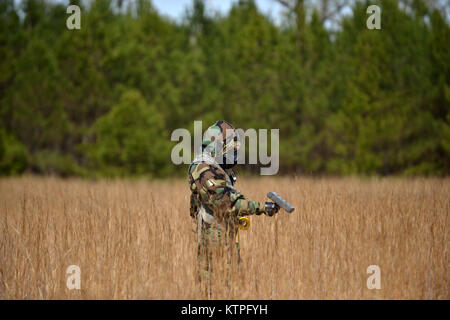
[{"x": 211, "y": 185}]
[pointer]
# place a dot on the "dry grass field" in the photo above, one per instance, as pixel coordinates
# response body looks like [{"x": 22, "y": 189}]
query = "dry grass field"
[{"x": 135, "y": 240}]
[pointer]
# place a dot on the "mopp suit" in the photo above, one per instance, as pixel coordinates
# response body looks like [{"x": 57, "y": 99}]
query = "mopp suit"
[{"x": 215, "y": 203}]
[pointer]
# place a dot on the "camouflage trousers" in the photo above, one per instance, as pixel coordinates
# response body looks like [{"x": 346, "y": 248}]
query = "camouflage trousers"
[{"x": 217, "y": 256}]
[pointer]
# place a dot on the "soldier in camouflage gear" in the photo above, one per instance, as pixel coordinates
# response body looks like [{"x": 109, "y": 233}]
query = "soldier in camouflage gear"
[{"x": 215, "y": 203}]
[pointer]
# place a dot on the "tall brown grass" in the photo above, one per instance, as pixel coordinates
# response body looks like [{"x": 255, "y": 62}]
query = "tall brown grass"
[{"x": 135, "y": 240}]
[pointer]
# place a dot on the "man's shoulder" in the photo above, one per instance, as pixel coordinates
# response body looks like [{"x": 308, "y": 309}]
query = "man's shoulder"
[
  {"x": 203, "y": 171},
  {"x": 195, "y": 166},
  {"x": 198, "y": 169}
]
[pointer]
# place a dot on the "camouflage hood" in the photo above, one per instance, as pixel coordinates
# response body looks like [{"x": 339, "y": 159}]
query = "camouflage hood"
[{"x": 221, "y": 144}]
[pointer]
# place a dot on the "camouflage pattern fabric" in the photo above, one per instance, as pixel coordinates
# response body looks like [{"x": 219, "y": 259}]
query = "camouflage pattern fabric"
[
  {"x": 213, "y": 194},
  {"x": 209, "y": 188},
  {"x": 216, "y": 253}
]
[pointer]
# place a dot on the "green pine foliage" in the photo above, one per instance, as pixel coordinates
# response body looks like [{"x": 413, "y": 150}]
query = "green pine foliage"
[
  {"x": 103, "y": 100},
  {"x": 130, "y": 139}
]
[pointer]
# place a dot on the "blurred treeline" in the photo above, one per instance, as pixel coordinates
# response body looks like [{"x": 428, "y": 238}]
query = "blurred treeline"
[{"x": 103, "y": 100}]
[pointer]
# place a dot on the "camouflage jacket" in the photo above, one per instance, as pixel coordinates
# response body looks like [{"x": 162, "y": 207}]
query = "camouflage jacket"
[{"x": 212, "y": 188}]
